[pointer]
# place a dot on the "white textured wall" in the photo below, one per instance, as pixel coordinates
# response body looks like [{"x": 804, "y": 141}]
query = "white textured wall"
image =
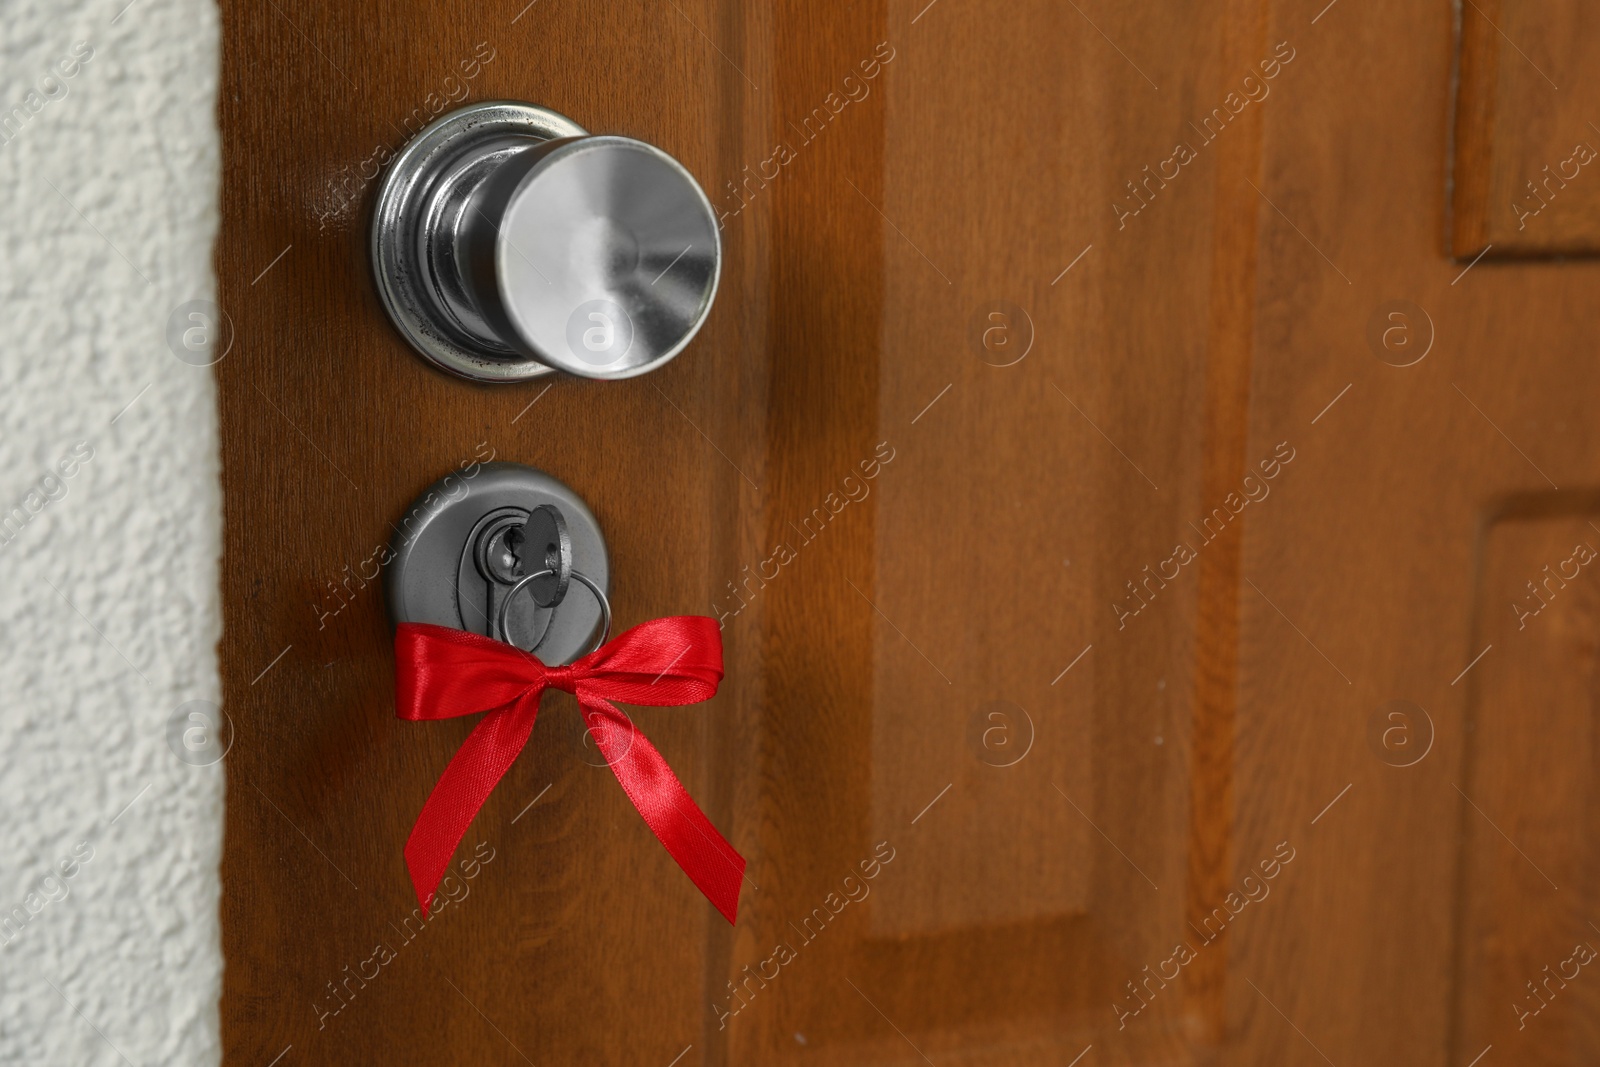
[{"x": 109, "y": 611}]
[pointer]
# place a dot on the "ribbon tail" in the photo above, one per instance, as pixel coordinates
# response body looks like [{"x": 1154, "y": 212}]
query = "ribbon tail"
[
  {"x": 474, "y": 771},
  {"x": 672, "y": 815}
]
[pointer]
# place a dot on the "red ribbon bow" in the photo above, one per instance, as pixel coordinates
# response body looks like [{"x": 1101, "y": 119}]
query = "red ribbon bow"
[{"x": 441, "y": 673}]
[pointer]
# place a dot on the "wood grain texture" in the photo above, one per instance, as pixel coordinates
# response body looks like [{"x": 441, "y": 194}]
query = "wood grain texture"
[{"x": 1231, "y": 326}]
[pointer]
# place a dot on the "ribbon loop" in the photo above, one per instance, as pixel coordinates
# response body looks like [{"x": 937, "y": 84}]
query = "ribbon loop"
[{"x": 443, "y": 673}]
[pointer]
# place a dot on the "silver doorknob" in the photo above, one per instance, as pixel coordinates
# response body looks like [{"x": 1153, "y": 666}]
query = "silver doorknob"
[{"x": 508, "y": 243}]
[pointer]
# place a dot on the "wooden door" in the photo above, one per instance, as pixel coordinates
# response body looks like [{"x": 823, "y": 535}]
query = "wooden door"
[{"x": 1146, "y": 533}]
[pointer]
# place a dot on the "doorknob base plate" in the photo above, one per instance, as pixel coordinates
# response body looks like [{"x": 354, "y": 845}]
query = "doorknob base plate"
[{"x": 403, "y": 228}]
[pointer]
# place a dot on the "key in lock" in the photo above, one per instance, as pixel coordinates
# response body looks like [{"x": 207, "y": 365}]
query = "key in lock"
[{"x": 507, "y": 546}]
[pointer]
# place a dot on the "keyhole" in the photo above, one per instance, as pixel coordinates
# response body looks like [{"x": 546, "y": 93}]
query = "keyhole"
[{"x": 511, "y": 552}]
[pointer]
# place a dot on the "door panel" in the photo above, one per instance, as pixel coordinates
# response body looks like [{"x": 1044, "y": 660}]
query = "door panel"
[
  {"x": 1524, "y": 138},
  {"x": 981, "y": 565},
  {"x": 1528, "y": 869}
]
